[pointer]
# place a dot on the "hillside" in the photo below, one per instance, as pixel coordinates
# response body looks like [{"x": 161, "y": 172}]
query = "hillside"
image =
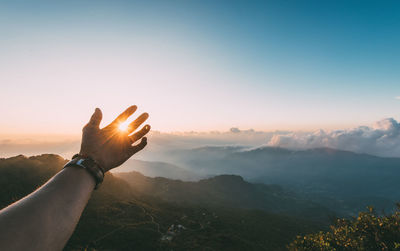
[
  {"x": 341, "y": 180},
  {"x": 227, "y": 191},
  {"x": 157, "y": 169},
  {"x": 119, "y": 217}
]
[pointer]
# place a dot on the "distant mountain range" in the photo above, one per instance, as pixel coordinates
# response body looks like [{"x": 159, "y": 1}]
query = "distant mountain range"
[
  {"x": 322, "y": 170},
  {"x": 158, "y": 169},
  {"x": 343, "y": 180}
]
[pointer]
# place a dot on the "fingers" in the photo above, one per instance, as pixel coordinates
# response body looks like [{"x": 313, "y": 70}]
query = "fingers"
[
  {"x": 136, "y": 136},
  {"x": 136, "y": 148},
  {"x": 135, "y": 124},
  {"x": 123, "y": 116},
  {"x": 96, "y": 118}
]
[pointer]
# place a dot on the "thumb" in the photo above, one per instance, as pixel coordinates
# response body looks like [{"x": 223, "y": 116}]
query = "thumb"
[{"x": 96, "y": 118}]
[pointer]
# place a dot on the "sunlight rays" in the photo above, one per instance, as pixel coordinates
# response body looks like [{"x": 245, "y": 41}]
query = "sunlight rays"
[{"x": 123, "y": 126}]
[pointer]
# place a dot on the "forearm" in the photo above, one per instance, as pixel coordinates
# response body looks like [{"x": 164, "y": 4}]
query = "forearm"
[{"x": 46, "y": 219}]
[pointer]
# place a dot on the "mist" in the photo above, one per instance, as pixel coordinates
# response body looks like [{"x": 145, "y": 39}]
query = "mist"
[{"x": 380, "y": 139}]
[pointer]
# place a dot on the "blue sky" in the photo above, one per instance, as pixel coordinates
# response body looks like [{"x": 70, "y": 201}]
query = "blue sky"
[{"x": 199, "y": 65}]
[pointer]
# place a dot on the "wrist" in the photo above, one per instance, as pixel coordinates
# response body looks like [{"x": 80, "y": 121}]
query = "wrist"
[
  {"x": 79, "y": 175},
  {"x": 94, "y": 157},
  {"x": 89, "y": 165}
]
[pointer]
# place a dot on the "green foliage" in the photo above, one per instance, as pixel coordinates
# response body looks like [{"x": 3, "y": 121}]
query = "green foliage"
[
  {"x": 20, "y": 175},
  {"x": 135, "y": 216},
  {"x": 120, "y": 217},
  {"x": 228, "y": 191},
  {"x": 368, "y": 231}
]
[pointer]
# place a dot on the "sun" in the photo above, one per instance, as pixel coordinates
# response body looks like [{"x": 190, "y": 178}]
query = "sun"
[{"x": 123, "y": 126}]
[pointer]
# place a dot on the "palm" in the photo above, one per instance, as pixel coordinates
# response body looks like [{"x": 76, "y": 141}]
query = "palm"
[{"x": 109, "y": 146}]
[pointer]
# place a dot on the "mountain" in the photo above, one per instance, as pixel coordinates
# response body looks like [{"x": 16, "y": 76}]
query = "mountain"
[
  {"x": 227, "y": 191},
  {"x": 120, "y": 216},
  {"x": 198, "y": 159},
  {"x": 323, "y": 170},
  {"x": 342, "y": 180},
  {"x": 157, "y": 169}
]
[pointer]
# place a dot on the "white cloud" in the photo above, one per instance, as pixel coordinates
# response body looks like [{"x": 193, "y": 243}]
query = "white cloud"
[
  {"x": 398, "y": 97},
  {"x": 381, "y": 139}
]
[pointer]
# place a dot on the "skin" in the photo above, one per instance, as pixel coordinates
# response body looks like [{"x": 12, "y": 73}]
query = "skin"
[{"x": 46, "y": 218}]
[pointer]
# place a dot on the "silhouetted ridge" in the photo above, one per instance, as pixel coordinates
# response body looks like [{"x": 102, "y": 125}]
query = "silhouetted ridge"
[
  {"x": 227, "y": 179},
  {"x": 225, "y": 191},
  {"x": 268, "y": 149}
]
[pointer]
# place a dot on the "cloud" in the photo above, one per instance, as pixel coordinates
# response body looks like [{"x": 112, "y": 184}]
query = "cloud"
[
  {"x": 160, "y": 144},
  {"x": 381, "y": 139},
  {"x": 398, "y": 97}
]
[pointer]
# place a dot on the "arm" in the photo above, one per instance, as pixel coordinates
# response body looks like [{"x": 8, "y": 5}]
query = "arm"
[{"x": 46, "y": 219}]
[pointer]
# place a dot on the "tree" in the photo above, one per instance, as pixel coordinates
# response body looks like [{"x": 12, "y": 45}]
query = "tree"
[{"x": 368, "y": 231}]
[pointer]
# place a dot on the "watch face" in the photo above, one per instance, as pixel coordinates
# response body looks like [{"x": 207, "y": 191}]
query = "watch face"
[{"x": 87, "y": 162}]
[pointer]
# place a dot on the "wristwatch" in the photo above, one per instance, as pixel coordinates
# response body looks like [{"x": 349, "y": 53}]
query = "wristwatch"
[{"x": 89, "y": 165}]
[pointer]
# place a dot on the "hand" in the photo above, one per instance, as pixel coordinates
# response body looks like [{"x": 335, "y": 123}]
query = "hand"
[{"x": 110, "y": 146}]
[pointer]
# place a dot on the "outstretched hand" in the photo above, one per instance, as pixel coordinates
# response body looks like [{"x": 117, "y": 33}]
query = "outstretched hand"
[{"x": 110, "y": 146}]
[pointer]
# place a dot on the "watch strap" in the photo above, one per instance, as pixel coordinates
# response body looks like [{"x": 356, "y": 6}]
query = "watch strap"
[{"x": 89, "y": 165}]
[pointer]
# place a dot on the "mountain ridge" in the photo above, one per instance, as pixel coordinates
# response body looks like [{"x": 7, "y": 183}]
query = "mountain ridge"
[{"x": 120, "y": 218}]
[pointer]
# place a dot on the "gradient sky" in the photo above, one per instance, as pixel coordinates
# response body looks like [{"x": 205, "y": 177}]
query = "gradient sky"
[{"x": 199, "y": 65}]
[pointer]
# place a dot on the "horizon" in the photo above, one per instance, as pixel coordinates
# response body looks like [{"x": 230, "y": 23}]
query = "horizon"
[
  {"x": 379, "y": 139},
  {"x": 215, "y": 125}
]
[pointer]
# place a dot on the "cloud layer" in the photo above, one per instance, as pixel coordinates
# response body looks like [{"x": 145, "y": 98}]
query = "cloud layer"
[{"x": 381, "y": 139}]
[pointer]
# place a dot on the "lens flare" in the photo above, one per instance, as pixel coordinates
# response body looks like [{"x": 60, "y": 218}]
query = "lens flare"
[{"x": 123, "y": 126}]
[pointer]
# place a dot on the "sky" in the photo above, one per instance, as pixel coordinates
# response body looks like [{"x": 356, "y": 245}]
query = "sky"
[{"x": 198, "y": 65}]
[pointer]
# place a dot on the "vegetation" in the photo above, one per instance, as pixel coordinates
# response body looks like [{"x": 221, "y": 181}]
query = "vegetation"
[
  {"x": 368, "y": 231},
  {"x": 228, "y": 191},
  {"x": 120, "y": 217},
  {"x": 134, "y": 212}
]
